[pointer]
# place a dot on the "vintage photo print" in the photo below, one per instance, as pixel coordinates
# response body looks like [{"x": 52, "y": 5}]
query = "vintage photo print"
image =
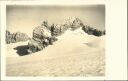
[
  {"x": 55, "y": 41},
  {"x": 63, "y": 40}
]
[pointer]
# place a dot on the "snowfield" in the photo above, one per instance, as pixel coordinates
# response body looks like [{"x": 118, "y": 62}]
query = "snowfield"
[{"x": 74, "y": 54}]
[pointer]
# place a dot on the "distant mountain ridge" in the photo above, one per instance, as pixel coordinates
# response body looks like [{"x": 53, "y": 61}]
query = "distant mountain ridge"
[
  {"x": 15, "y": 37},
  {"x": 46, "y": 34}
]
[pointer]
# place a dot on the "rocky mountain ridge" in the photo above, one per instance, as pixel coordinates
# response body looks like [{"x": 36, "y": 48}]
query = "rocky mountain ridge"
[
  {"x": 15, "y": 37},
  {"x": 46, "y": 34}
]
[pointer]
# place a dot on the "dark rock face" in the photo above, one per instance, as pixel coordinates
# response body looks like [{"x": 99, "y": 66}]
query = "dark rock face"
[
  {"x": 92, "y": 31},
  {"x": 21, "y": 37},
  {"x": 72, "y": 24},
  {"x": 39, "y": 44},
  {"x": 45, "y": 34},
  {"x": 77, "y": 23},
  {"x": 8, "y": 37},
  {"x": 41, "y": 39},
  {"x": 15, "y": 37},
  {"x": 56, "y": 30}
]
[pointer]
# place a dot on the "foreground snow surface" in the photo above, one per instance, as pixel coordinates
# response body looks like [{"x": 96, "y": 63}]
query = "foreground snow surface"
[{"x": 74, "y": 54}]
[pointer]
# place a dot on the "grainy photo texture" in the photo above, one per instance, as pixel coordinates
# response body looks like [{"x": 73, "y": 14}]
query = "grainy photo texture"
[{"x": 55, "y": 41}]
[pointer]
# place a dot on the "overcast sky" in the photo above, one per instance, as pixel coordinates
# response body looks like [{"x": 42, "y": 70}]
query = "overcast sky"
[{"x": 28, "y": 17}]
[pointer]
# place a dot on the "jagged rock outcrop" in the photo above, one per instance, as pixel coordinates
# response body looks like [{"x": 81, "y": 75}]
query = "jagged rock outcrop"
[
  {"x": 72, "y": 23},
  {"x": 56, "y": 30},
  {"x": 76, "y": 23},
  {"x": 46, "y": 34},
  {"x": 41, "y": 39},
  {"x": 8, "y": 37},
  {"x": 15, "y": 37},
  {"x": 92, "y": 31}
]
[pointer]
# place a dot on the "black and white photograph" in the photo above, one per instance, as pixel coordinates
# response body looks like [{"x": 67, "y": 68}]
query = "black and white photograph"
[{"x": 64, "y": 41}]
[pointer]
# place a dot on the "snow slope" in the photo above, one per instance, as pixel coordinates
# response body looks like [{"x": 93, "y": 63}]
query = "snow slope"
[{"x": 74, "y": 54}]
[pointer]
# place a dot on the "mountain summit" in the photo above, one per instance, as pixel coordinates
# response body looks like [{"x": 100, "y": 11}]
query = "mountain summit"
[{"x": 74, "y": 23}]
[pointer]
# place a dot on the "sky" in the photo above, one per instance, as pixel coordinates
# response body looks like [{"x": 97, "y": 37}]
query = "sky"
[{"x": 25, "y": 18}]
